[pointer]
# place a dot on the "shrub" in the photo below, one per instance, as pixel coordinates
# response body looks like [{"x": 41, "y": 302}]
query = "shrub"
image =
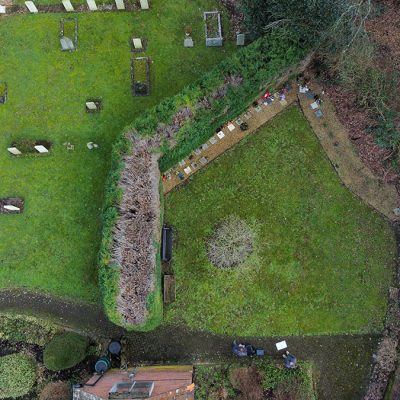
[
  {"x": 56, "y": 391},
  {"x": 65, "y": 351},
  {"x": 17, "y": 375},
  {"x": 231, "y": 243}
]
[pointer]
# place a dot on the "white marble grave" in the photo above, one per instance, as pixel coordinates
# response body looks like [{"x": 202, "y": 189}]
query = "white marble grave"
[
  {"x": 187, "y": 170},
  {"x": 137, "y": 43},
  {"x": 2, "y": 9},
  {"x": 231, "y": 127},
  {"x": 92, "y": 5},
  {"x": 221, "y": 134},
  {"x": 41, "y": 149},
  {"x": 90, "y": 105},
  {"x": 144, "y": 4},
  {"x": 31, "y": 7},
  {"x": 120, "y": 4},
  {"x": 10, "y": 207},
  {"x": 68, "y": 5},
  {"x": 14, "y": 150}
]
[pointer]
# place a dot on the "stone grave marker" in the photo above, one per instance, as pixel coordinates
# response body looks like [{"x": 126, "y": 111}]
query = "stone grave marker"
[
  {"x": 221, "y": 134},
  {"x": 68, "y": 5},
  {"x": 90, "y": 105},
  {"x": 144, "y": 4},
  {"x": 137, "y": 43},
  {"x": 41, "y": 149},
  {"x": 240, "y": 39},
  {"x": 188, "y": 42},
  {"x": 66, "y": 44},
  {"x": 10, "y": 207},
  {"x": 2, "y": 9},
  {"x": 14, "y": 150},
  {"x": 31, "y": 7},
  {"x": 92, "y": 5},
  {"x": 120, "y": 4}
]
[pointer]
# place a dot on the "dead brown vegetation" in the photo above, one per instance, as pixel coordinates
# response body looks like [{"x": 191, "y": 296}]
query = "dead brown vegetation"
[
  {"x": 137, "y": 232},
  {"x": 56, "y": 391},
  {"x": 248, "y": 382}
]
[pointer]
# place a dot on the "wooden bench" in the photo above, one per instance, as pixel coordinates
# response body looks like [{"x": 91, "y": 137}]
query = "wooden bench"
[{"x": 166, "y": 244}]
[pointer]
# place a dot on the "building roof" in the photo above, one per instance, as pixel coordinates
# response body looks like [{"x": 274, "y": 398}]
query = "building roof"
[{"x": 170, "y": 382}]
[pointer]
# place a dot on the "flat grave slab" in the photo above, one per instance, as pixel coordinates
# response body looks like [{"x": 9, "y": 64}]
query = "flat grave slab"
[
  {"x": 314, "y": 105},
  {"x": 187, "y": 170},
  {"x": 188, "y": 42},
  {"x": 2, "y": 9},
  {"x": 231, "y": 127},
  {"x": 14, "y": 151}
]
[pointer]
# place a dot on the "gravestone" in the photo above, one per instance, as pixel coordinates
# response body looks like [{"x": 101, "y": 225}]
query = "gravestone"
[
  {"x": 2, "y": 9},
  {"x": 66, "y": 44},
  {"x": 144, "y": 4},
  {"x": 31, "y": 7},
  {"x": 90, "y": 105},
  {"x": 92, "y": 5},
  {"x": 41, "y": 149},
  {"x": 137, "y": 43},
  {"x": 240, "y": 39},
  {"x": 67, "y": 5},
  {"x": 14, "y": 150},
  {"x": 188, "y": 42},
  {"x": 120, "y": 4},
  {"x": 10, "y": 207}
]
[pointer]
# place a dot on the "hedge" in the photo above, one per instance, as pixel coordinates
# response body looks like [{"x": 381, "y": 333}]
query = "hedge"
[
  {"x": 240, "y": 78},
  {"x": 17, "y": 375},
  {"x": 65, "y": 351}
]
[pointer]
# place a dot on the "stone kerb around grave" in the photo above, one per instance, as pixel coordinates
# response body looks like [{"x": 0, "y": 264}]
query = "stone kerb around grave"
[
  {"x": 140, "y": 74},
  {"x": 213, "y": 29}
]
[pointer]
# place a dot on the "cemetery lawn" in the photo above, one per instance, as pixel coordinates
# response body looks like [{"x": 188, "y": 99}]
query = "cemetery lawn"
[
  {"x": 53, "y": 245},
  {"x": 322, "y": 260}
]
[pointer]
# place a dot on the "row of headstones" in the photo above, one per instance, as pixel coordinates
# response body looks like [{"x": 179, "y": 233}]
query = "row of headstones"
[
  {"x": 16, "y": 152},
  {"x": 144, "y": 5}
]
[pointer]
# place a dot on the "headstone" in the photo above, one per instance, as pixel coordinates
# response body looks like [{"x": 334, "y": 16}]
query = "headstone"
[
  {"x": 66, "y": 44},
  {"x": 90, "y": 105},
  {"x": 221, "y": 134},
  {"x": 31, "y": 7},
  {"x": 188, "y": 42},
  {"x": 41, "y": 149},
  {"x": 231, "y": 127},
  {"x": 182, "y": 163},
  {"x": 120, "y": 4},
  {"x": 240, "y": 39},
  {"x": 187, "y": 170},
  {"x": 213, "y": 140},
  {"x": 144, "y": 4},
  {"x": 137, "y": 43},
  {"x": 10, "y": 207},
  {"x": 14, "y": 150},
  {"x": 314, "y": 105},
  {"x": 90, "y": 145},
  {"x": 396, "y": 212},
  {"x": 67, "y": 5},
  {"x": 318, "y": 113},
  {"x": 2, "y": 9},
  {"x": 92, "y": 5},
  {"x": 203, "y": 160}
]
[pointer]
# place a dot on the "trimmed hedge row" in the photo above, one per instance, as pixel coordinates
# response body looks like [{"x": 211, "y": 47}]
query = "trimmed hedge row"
[{"x": 219, "y": 96}]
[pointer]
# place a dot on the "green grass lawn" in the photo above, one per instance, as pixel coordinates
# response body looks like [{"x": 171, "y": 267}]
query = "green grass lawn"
[
  {"x": 53, "y": 245},
  {"x": 322, "y": 261}
]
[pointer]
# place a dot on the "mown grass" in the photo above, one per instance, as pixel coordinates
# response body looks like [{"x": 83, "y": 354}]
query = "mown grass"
[
  {"x": 53, "y": 245},
  {"x": 322, "y": 261}
]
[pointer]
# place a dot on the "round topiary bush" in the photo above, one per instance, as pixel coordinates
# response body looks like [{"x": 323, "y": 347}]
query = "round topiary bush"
[
  {"x": 17, "y": 375},
  {"x": 231, "y": 243},
  {"x": 65, "y": 351}
]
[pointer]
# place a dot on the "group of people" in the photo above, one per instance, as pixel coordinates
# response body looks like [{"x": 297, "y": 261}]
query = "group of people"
[{"x": 247, "y": 350}]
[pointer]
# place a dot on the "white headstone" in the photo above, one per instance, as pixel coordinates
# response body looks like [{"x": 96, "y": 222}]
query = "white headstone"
[
  {"x": 92, "y": 5},
  {"x": 144, "y": 4},
  {"x": 137, "y": 43},
  {"x": 188, "y": 42},
  {"x": 67, "y": 5},
  {"x": 2, "y": 9},
  {"x": 14, "y": 150},
  {"x": 221, "y": 134},
  {"x": 91, "y": 105},
  {"x": 11, "y": 208},
  {"x": 31, "y": 7},
  {"x": 281, "y": 345},
  {"x": 240, "y": 39},
  {"x": 231, "y": 127},
  {"x": 120, "y": 4},
  {"x": 66, "y": 44},
  {"x": 41, "y": 149}
]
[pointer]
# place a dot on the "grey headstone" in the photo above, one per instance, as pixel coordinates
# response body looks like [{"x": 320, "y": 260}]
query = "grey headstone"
[
  {"x": 10, "y": 207},
  {"x": 2, "y": 9},
  {"x": 188, "y": 42},
  {"x": 240, "y": 39},
  {"x": 68, "y": 5},
  {"x": 31, "y": 7},
  {"x": 66, "y": 44},
  {"x": 92, "y": 5},
  {"x": 120, "y": 4},
  {"x": 396, "y": 212},
  {"x": 144, "y": 4}
]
